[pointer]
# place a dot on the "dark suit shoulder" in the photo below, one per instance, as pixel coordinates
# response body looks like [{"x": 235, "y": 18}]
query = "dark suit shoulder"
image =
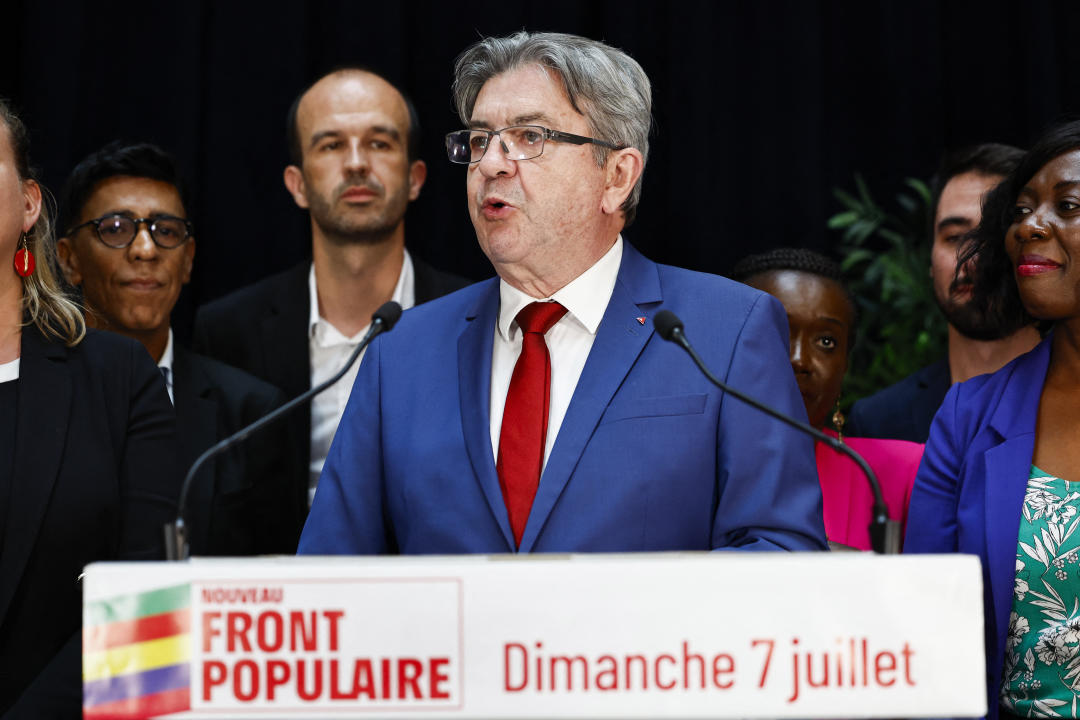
[
  {"x": 261, "y": 329},
  {"x": 258, "y": 297},
  {"x": 115, "y": 364},
  {"x": 227, "y": 380},
  {"x": 100, "y": 346},
  {"x": 905, "y": 409},
  {"x": 430, "y": 283}
]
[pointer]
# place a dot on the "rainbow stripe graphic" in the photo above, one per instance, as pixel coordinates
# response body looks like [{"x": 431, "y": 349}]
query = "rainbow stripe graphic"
[{"x": 136, "y": 650}]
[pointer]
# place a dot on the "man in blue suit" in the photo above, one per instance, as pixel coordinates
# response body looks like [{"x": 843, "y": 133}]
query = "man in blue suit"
[{"x": 539, "y": 411}]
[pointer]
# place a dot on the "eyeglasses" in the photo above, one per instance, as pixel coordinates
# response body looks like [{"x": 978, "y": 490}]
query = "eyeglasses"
[
  {"x": 118, "y": 231},
  {"x": 520, "y": 142}
]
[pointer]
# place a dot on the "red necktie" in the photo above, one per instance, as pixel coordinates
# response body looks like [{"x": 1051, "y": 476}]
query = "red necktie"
[{"x": 525, "y": 416}]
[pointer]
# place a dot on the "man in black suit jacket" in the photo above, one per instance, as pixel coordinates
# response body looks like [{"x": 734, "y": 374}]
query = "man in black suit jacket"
[
  {"x": 354, "y": 140},
  {"x": 127, "y": 243},
  {"x": 905, "y": 410}
]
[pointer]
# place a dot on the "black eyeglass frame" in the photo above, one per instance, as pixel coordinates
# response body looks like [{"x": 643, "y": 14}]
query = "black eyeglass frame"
[
  {"x": 150, "y": 224},
  {"x": 546, "y": 134}
]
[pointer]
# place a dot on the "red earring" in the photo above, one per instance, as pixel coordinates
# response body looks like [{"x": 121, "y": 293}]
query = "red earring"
[{"x": 24, "y": 259}]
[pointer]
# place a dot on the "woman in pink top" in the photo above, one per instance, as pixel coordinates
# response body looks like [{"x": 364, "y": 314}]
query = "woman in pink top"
[{"x": 821, "y": 319}]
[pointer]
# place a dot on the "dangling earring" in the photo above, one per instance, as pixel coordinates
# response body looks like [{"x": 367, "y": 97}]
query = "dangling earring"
[
  {"x": 24, "y": 259},
  {"x": 838, "y": 421}
]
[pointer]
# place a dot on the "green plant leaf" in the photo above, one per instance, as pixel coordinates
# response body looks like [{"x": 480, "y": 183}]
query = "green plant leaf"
[
  {"x": 839, "y": 221},
  {"x": 885, "y": 252},
  {"x": 922, "y": 188}
]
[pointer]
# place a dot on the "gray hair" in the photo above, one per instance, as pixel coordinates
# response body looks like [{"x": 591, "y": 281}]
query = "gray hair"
[{"x": 604, "y": 84}]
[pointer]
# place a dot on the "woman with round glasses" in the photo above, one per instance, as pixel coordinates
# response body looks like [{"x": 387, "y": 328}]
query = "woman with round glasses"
[
  {"x": 87, "y": 455},
  {"x": 1001, "y": 474}
]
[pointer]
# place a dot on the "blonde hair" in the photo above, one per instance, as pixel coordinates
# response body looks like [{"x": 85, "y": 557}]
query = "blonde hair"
[{"x": 44, "y": 302}]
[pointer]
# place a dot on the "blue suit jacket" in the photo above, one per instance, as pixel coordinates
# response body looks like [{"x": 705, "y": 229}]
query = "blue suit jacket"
[
  {"x": 650, "y": 456},
  {"x": 970, "y": 488}
]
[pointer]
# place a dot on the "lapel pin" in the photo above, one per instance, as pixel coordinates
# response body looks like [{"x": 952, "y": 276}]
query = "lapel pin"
[{"x": 641, "y": 320}]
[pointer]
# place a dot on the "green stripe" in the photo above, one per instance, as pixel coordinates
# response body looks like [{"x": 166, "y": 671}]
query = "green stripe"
[{"x": 130, "y": 607}]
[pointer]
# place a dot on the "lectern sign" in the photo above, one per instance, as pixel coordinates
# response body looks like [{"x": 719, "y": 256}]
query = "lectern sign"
[
  {"x": 306, "y": 645},
  {"x": 681, "y": 635}
]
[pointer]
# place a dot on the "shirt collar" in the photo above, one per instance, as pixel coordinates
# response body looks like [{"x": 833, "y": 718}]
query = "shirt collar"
[
  {"x": 166, "y": 360},
  {"x": 585, "y": 297},
  {"x": 404, "y": 292},
  {"x": 9, "y": 370},
  {"x": 165, "y": 364}
]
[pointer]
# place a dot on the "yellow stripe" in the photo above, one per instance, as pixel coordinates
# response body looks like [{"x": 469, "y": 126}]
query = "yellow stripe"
[{"x": 136, "y": 657}]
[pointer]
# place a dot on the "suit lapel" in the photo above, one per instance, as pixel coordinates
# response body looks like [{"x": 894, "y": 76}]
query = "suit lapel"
[
  {"x": 620, "y": 338},
  {"x": 283, "y": 336},
  {"x": 474, "y": 384},
  {"x": 287, "y": 362},
  {"x": 934, "y": 382},
  {"x": 1008, "y": 466},
  {"x": 196, "y": 431},
  {"x": 44, "y": 404}
]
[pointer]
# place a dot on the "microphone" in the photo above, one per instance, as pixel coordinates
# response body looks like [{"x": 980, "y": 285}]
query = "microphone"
[
  {"x": 176, "y": 545},
  {"x": 884, "y": 533}
]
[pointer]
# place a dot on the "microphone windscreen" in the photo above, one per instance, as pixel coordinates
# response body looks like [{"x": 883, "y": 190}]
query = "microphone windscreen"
[
  {"x": 666, "y": 323},
  {"x": 389, "y": 313}
]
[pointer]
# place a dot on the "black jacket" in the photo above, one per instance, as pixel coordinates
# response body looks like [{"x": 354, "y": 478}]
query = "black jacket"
[
  {"x": 237, "y": 504},
  {"x": 96, "y": 478}
]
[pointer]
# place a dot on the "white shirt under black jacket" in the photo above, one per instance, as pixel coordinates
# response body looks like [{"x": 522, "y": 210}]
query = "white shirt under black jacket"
[
  {"x": 329, "y": 350},
  {"x": 569, "y": 340}
]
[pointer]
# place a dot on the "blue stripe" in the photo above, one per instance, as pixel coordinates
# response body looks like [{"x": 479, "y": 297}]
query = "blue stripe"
[{"x": 123, "y": 687}]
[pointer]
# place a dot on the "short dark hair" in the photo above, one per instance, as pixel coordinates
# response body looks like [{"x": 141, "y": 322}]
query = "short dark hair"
[
  {"x": 118, "y": 158},
  {"x": 292, "y": 132},
  {"x": 984, "y": 159},
  {"x": 993, "y": 285},
  {"x": 798, "y": 260}
]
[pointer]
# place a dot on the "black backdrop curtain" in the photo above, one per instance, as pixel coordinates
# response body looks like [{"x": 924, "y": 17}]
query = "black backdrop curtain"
[{"x": 761, "y": 108}]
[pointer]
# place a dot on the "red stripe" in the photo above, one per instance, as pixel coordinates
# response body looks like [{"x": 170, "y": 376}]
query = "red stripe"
[
  {"x": 125, "y": 632},
  {"x": 162, "y": 703}
]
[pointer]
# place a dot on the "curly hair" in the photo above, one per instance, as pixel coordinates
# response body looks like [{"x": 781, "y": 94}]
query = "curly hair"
[
  {"x": 44, "y": 303},
  {"x": 994, "y": 290}
]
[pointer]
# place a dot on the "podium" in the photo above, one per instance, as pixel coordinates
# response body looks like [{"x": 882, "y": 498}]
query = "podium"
[{"x": 745, "y": 635}]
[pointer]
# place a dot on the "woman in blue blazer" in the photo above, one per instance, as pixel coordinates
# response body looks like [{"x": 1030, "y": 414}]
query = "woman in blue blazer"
[
  {"x": 87, "y": 455},
  {"x": 1000, "y": 477}
]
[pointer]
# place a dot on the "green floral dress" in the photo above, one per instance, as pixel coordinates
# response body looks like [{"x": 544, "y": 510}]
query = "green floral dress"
[{"x": 1042, "y": 651}]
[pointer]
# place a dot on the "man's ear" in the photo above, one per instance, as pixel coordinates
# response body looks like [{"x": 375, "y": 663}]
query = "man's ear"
[
  {"x": 69, "y": 261},
  {"x": 189, "y": 260},
  {"x": 417, "y": 176},
  {"x": 294, "y": 183},
  {"x": 621, "y": 172}
]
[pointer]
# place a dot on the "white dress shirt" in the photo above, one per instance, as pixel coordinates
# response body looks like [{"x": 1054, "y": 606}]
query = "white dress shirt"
[
  {"x": 569, "y": 340},
  {"x": 9, "y": 371},
  {"x": 165, "y": 365},
  {"x": 329, "y": 349}
]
